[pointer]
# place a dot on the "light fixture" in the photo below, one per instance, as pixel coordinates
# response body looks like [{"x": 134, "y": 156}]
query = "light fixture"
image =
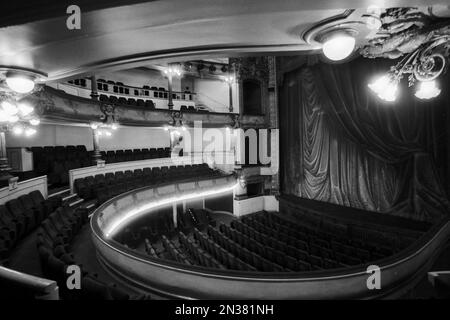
[
  {"x": 427, "y": 90},
  {"x": 108, "y": 133},
  {"x": 166, "y": 128},
  {"x": 20, "y": 83},
  {"x": 13, "y": 119},
  {"x": 94, "y": 126},
  {"x": 183, "y": 128},
  {"x": 25, "y": 109},
  {"x": 114, "y": 126},
  {"x": 17, "y": 130},
  {"x": 385, "y": 87},
  {"x": 173, "y": 70},
  {"x": 9, "y": 108},
  {"x": 229, "y": 79},
  {"x": 338, "y": 45},
  {"x": 35, "y": 121},
  {"x": 29, "y": 132}
]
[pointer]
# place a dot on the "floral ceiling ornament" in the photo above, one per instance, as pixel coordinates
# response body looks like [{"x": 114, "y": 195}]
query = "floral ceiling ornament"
[{"x": 420, "y": 39}]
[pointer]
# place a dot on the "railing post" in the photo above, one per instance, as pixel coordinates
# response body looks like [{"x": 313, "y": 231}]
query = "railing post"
[
  {"x": 4, "y": 165},
  {"x": 96, "y": 155},
  {"x": 94, "y": 91},
  {"x": 170, "y": 104}
]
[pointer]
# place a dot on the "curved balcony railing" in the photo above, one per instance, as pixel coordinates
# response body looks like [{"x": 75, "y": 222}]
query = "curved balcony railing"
[{"x": 398, "y": 272}]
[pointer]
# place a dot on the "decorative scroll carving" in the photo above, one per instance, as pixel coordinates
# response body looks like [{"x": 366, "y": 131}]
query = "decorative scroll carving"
[
  {"x": 177, "y": 119},
  {"x": 109, "y": 113},
  {"x": 251, "y": 68},
  {"x": 405, "y": 30}
]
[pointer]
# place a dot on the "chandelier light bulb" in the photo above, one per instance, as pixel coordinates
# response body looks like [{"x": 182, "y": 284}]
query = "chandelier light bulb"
[
  {"x": 20, "y": 83},
  {"x": 9, "y": 108},
  {"x": 427, "y": 90},
  {"x": 13, "y": 119},
  {"x": 29, "y": 132},
  {"x": 385, "y": 87},
  {"x": 17, "y": 130},
  {"x": 338, "y": 46},
  {"x": 35, "y": 122},
  {"x": 25, "y": 109}
]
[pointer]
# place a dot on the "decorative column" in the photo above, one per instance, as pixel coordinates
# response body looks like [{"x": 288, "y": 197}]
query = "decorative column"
[
  {"x": 4, "y": 165},
  {"x": 170, "y": 72},
  {"x": 169, "y": 77},
  {"x": 94, "y": 90},
  {"x": 96, "y": 155},
  {"x": 229, "y": 80}
]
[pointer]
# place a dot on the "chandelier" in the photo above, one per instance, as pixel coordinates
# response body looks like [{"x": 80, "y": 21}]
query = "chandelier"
[{"x": 424, "y": 43}]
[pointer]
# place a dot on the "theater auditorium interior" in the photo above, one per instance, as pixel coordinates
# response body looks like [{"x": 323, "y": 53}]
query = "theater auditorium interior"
[{"x": 211, "y": 149}]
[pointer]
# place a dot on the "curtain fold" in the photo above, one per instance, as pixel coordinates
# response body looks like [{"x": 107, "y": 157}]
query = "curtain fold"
[{"x": 341, "y": 145}]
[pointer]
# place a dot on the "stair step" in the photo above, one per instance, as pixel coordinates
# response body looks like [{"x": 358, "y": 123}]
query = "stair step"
[
  {"x": 59, "y": 193},
  {"x": 69, "y": 197},
  {"x": 78, "y": 201}
]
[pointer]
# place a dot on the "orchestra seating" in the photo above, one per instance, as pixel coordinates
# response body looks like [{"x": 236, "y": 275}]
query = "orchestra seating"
[
  {"x": 263, "y": 242},
  {"x": 105, "y": 186}
]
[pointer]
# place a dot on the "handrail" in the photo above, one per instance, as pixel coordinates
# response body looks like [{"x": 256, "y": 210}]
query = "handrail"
[
  {"x": 42, "y": 288},
  {"x": 25, "y": 187}
]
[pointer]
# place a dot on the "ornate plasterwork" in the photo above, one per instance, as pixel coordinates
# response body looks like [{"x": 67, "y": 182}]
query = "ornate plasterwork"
[{"x": 405, "y": 30}]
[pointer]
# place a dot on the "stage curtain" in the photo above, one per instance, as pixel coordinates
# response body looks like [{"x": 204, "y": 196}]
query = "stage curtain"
[{"x": 340, "y": 144}]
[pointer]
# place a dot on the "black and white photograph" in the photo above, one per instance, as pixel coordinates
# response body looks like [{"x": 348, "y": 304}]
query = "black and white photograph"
[{"x": 222, "y": 157}]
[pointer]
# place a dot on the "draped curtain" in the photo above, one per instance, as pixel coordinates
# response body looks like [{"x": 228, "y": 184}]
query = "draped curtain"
[{"x": 340, "y": 144}]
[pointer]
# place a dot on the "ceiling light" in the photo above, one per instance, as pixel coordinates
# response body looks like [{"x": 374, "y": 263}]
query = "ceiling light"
[
  {"x": 35, "y": 122},
  {"x": 94, "y": 126},
  {"x": 29, "y": 132},
  {"x": 108, "y": 133},
  {"x": 25, "y": 109},
  {"x": 385, "y": 87},
  {"x": 20, "y": 83},
  {"x": 338, "y": 45},
  {"x": 9, "y": 108},
  {"x": 427, "y": 90},
  {"x": 114, "y": 126}
]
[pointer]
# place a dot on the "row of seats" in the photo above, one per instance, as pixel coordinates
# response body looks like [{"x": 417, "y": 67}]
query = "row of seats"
[
  {"x": 269, "y": 242},
  {"x": 286, "y": 255},
  {"x": 324, "y": 238},
  {"x": 112, "y": 156},
  {"x": 312, "y": 247},
  {"x": 57, "y": 161},
  {"x": 161, "y": 223},
  {"x": 140, "y": 103},
  {"x": 54, "y": 161},
  {"x": 19, "y": 217},
  {"x": 232, "y": 258},
  {"x": 198, "y": 256},
  {"x": 54, "y": 239},
  {"x": 103, "y": 187}
]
